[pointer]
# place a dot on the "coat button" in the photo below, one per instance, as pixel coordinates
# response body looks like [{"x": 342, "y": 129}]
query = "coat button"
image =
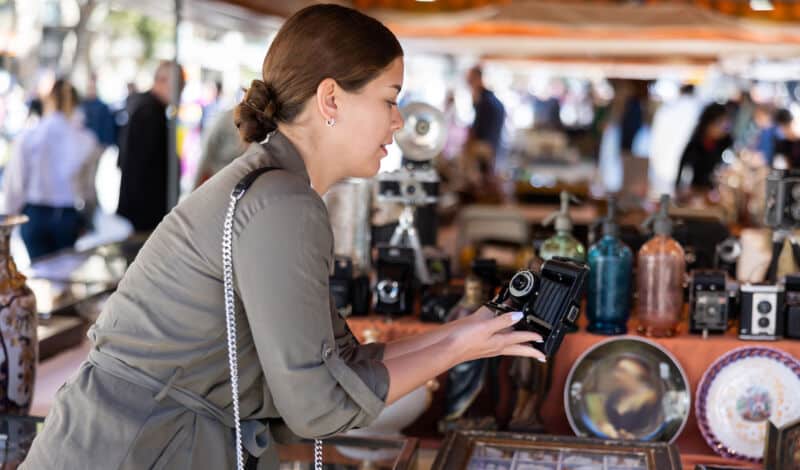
[{"x": 327, "y": 351}]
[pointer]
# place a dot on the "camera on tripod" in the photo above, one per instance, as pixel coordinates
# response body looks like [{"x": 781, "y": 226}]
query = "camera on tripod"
[
  {"x": 549, "y": 301},
  {"x": 421, "y": 139},
  {"x": 416, "y": 184}
]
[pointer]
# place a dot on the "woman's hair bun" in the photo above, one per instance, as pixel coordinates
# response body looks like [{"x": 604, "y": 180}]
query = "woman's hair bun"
[{"x": 258, "y": 113}]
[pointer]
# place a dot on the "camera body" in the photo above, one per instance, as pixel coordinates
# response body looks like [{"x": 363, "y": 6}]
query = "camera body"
[
  {"x": 762, "y": 312},
  {"x": 416, "y": 184},
  {"x": 711, "y": 304},
  {"x": 782, "y": 208},
  {"x": 549, "y": 300},
  {"x": 394, "y": 286},
  {"x": 350, "y": 292},
  {"x": 792, "y": 300}
]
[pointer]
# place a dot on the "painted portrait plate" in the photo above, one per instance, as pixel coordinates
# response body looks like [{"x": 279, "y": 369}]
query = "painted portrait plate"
[{"x": 627, "y": 388}]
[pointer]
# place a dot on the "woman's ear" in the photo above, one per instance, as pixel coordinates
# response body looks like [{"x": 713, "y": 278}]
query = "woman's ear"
[{"x": 326, "y": 99}]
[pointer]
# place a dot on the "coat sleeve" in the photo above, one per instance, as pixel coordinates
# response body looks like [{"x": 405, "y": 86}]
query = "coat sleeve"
[{"x": 281, "y": 265}]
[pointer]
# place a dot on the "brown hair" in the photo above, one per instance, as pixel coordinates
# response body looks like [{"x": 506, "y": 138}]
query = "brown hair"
[
  {"x": 63, "y": 97},
  {"x": 317, "y": 42}
]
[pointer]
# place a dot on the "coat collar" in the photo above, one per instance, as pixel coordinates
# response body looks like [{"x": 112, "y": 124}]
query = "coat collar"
[{"x": 280, "y": 148}]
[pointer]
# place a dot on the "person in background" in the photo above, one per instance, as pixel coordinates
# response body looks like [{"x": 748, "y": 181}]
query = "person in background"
[
  {"x": 213, "y": 107},
  {"x": 221, "y": 145},
  {"x": 787, "y": 141},
  {"x": 42, "y": 176},
  {"x": 704, "y": 151},
  {"x": 97, "y": 116},
  {"x": 673, "y": 124},
  {"x": 144, "y": 154},
  {"x": 765, "y": 134},
  {"x": 489, "y": 112}
]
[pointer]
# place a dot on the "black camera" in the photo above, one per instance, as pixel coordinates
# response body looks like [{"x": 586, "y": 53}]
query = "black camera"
[
  {"x": 550, "y": 300},
  {"x": 350, "y": 292},
  {"x": 792, "y": 284},
  {"x": 710, "y": 302},
  {"x": 394, "y": 286},
  {"x": 783, "y": 199},
  {"x": 762, "y": 312}
]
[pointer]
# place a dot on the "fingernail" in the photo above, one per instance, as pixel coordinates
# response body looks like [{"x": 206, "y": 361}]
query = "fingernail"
[
  {"x": 516, "y": 316},
  {"x": 540, "y": 340},
  {"x": 541, "y": 359}
]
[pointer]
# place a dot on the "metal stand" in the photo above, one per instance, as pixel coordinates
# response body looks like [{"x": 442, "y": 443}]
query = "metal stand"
[
  {"x": 406, "y": 235},
  {"x": 779, "y": 237}
]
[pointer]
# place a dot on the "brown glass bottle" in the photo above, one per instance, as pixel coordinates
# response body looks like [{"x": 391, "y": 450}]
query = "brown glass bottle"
[{"x": 660, "y": 273}]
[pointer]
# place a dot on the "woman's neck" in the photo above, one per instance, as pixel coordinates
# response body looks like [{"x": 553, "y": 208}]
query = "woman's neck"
[{"x": 319, "y": 173}]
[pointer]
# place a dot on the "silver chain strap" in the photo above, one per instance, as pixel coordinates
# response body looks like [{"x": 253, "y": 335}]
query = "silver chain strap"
[
  {"x": 230, "y": 324},
  {"x": 317, "y": 454}
]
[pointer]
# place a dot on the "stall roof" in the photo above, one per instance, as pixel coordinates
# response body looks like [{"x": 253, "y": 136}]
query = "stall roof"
[{"x": 534, "y": 29}]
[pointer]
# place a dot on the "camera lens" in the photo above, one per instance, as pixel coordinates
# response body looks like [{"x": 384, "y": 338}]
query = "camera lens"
[
  {"x": 521, "y": 284},
  {"x": 796, "y": 191},
  {"x": 764, "y": 307},
  {"x": 763, "y": 322}
]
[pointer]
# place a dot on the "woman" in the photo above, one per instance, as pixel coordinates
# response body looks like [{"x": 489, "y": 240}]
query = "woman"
[
  {"x": 703, "y": 153},
  {"x": 155, "y": 392},
  {"x": 44, "y": 178}
]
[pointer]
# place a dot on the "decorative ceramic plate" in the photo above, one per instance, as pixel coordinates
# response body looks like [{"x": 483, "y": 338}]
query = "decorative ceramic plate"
[
  {"x": 627, "y": 388},
  {"x": 740, "y": 392}
]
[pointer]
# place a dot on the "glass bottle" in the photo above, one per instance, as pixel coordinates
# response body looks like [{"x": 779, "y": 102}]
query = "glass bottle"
[
  {"x": 660, "y": 273},
  {"x": 610, "y": 271},
  {"x": 562, "y": 243}
]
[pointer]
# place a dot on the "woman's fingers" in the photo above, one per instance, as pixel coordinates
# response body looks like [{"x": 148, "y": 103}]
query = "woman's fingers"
[
  {"x": 521, "y": 337},
  {"x": 504, "y": 321},
  {"x": 523, "y": 351}
]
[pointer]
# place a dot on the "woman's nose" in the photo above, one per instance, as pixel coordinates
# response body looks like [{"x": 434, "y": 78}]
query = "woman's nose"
[{"x": 397, "y": 120}]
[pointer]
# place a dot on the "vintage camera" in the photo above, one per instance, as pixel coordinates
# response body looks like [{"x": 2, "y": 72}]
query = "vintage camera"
[
  {"x": 421, "y": 139},
  {"x": 394, "y": 286},
  {"x": 550, "y": 300},
  {"x": 350, "y": 292},
  {"x": 782, "y": 209},
  {"x": 762, "y": 312},
  {"x": 709, "y": 301},
  {"x": 792, "y": 322}
]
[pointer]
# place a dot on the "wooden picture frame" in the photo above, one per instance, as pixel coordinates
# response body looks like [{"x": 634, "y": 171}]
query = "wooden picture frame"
[
  {"x": 782, "y": 445},
  {"x": 478, "y": 450}
]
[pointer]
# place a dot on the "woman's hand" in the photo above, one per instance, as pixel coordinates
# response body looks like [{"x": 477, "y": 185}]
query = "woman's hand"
[{"x": 483, "y": 334}]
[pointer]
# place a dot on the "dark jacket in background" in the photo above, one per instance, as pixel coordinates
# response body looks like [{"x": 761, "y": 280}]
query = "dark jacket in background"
[
  {"x": 143, "y": 158},
  {"x": 702, "y": 157},
  {"x": 99, "y": 119},
  {"x": 489, "y": 117}
]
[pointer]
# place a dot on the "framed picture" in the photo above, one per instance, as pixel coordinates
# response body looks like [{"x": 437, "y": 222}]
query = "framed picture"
[
  {"x": 782, "y": 448},
  {"x": 488, "y": 450}
]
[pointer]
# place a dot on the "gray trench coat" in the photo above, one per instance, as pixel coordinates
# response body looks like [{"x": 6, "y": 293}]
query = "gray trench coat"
[{"x": 155, "y": 391}]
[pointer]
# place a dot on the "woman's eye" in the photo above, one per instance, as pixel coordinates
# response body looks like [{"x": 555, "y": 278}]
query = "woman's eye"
[{"x": 391, "y": 103}]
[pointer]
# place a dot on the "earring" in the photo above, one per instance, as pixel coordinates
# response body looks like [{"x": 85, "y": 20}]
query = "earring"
[{"x": 330, "y": 122}]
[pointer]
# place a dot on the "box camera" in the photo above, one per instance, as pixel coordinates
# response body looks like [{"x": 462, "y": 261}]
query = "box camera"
[
  {"x": 792, "y": 300},
  {"x": 394, "y": 287},
  {"x": 709, "y": 301},
  {"x": 762, "y": 312},
  {"x": 550, "y": 300},
  {"x": 350, "y": 292},
  {"x": 783, "y": 199},
  {"x": 415, "y": 184}
]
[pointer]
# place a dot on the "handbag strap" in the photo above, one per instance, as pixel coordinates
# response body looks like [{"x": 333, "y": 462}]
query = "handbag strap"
[{"x": 230, "y": 311}]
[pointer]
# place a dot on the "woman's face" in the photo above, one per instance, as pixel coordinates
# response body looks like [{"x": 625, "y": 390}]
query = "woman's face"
[{"x": 367, "y": 120}]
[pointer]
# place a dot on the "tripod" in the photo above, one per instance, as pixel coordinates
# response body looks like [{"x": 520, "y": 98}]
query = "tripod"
[
  {"x": 406, "y": 235},
  {"x": 779, "y": 237}
]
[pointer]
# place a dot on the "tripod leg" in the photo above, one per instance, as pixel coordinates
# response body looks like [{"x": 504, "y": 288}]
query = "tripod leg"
[
  {"x": 795, "y": 250},
  {"x": 777, "y": 248},
  {"x": 419, "y": 259}
]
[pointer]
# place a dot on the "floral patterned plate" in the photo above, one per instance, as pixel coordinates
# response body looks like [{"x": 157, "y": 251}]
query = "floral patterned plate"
[{"x": 740, "y": 392}]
